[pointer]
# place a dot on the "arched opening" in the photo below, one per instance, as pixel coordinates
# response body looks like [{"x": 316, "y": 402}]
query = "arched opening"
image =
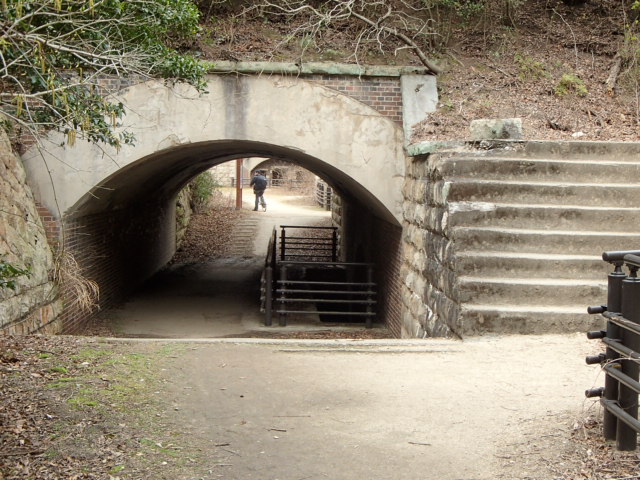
[{"x": 124, "y": 231}]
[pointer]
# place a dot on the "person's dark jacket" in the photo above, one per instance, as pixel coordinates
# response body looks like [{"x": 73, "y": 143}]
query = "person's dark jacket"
[{"x": 259, "y": 183}]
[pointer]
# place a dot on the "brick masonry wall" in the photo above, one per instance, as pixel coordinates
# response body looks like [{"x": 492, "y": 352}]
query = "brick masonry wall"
[
  {"x": 366, "y": 238},
  {"x": 387, "y": 241},
  {"x": 381, "y": 93},
  {"x": 384, "y": 94},
  {"x": 118, "y": 250}
]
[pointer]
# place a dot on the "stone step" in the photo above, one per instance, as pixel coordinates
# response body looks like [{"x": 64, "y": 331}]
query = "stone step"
[
  {"x": 583, "y": 150},
  {"x": 534, "y": 291},
  {"x": 529, "y": 169},
  {"x": 526, "y": 319},
  {"x": 242, "y": 238},
  {"x": 542, "y": 216},
  {"x": 531, "y": 265},
  {"x": 536, "y": 193},
  {"x": 543, "y": 241}
]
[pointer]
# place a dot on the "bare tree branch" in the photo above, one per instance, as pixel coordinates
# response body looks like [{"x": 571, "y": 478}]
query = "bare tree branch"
[{"x": 407, "y": 21}]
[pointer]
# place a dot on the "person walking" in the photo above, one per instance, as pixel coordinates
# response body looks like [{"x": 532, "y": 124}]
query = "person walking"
[{"x": 259, "y": 184}]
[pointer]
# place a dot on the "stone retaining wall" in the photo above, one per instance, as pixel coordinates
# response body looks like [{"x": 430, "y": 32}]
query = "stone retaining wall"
[
  {"x": 427, "y": 260},
  {"x": 34, "y": 306}
]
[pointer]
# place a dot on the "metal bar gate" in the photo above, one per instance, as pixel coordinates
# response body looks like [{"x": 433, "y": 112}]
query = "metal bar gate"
[
  {"x": 284, "y": 292},
  {"x": 621, "y": 359}
]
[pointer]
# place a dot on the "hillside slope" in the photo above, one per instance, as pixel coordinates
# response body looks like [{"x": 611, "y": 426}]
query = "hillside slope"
[{"x": 549, "y": 66}]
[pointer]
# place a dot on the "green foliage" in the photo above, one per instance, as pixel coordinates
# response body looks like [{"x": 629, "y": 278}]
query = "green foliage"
[
  {"x": 55, "y": 55},
  {"x": 8, "y": 274},
  {"x": 202, "y": 189},
  {"x": 570, "y": 83},
  {"x": 530, "y": 69},
  {"x": 631, "y": 48},
  {"x": 464, "y": 9}
]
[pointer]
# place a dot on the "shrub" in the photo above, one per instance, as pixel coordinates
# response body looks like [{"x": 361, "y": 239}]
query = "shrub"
[
  {"x": 570, "y": 83},
  {"x": 202, "y": 189}
]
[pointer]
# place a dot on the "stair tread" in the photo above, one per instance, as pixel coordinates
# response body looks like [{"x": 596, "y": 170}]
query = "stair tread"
[
  {"x": 523, "y": 308},
  {"x": 533, "y": 281},
  {"x": 547, "y": 231},
  {"x": 476, "y": 159},
  {"x": 628, "y": 186},
  {"x": 465, "y": 206},
  {"x": 526, "y": 255}
]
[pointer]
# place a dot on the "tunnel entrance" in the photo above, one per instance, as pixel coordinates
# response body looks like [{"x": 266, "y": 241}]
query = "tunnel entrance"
[{"x": 200, "y": 296}]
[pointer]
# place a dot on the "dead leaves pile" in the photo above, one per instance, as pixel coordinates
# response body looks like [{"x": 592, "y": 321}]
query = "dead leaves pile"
[
  {"x": 599, "y": 460},
  {"x": 208, "y": 234},
  {"x": 68, "y": 411},
  {"x": 40, "y": 438}
]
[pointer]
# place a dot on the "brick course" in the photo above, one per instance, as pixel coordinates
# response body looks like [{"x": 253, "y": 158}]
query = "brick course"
[
  {"x": 383, "y": 94},
  {"x": 118, "y": 250},
  {"x": 387, "y": 246}
]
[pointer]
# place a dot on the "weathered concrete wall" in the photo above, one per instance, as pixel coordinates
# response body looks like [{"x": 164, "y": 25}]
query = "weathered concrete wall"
[
  {"x": 34, "y": 305},
  {"x": 334, "y": 136}
]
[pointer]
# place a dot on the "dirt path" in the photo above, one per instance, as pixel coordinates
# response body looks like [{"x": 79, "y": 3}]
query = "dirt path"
[
  {"x": 219, "y": 297},
  {"x": 485, "y": 408},
  {"x": 489, "y": 408},
  {"x": 283, "y": 208}
]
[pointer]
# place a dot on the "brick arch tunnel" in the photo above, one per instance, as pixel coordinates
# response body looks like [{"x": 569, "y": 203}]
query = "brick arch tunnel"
[{"x": 123, "y": 231}]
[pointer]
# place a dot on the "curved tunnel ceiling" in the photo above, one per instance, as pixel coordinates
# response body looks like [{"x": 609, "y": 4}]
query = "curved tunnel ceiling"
[{"x": 163, "y": 174}]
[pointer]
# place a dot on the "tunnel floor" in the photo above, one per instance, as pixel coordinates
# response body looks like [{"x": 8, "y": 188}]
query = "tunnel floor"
[{"x": 219, "y": 297}]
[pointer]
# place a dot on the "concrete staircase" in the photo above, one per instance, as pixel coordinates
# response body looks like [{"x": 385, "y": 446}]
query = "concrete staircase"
[
  {"x": 529, "y": 226},
  {"x": 243, "y": 236}
]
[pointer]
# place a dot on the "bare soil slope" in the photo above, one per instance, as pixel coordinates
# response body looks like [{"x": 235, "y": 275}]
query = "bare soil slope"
[{"x": 549, "y": 66}]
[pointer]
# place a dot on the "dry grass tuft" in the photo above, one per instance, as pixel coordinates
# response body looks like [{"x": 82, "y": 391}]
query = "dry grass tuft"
[{"x": 80, "y": 292}]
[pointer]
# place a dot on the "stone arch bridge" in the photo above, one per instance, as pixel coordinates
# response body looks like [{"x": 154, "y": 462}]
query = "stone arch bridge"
[
  {"x": 467, "y": 237},
  {"x": 343, "y": 123}
]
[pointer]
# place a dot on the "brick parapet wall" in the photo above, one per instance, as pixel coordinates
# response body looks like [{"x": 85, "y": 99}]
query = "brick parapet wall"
[{"x": 383, "y": 94}]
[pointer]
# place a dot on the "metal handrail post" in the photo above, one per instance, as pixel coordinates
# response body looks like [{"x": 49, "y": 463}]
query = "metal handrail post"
[
  {"x": 283, "y": 236},
  {"x": 334, "y": 245},
  {"x": 283, "y": 286},
  {"x": 369, "y": 319},
  {"x": 274, "y": 255},
  {"x": 614, "y": 304},
  {"x": 268, "y": 296},
  {"x": 626, "y": 437}
]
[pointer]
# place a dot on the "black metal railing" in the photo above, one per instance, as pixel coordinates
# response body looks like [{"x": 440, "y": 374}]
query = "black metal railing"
[
  {"x": 267, "y": 284},
  {"x": 353, "y": 297},
  {"x": 304, "y": 277},
  {"x": 621, "y": 359},
  {"x": 277, "y": 182},
  {"x": 304, "y": 243}
]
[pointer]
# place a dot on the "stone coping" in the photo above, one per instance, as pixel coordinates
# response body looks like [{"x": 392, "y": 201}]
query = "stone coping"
[
  {"x": 315, "y": 68},
  {"x": 575, "y": 147}
]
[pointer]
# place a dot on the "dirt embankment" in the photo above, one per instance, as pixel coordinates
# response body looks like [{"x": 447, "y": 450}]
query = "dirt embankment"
[{"x": 551, "y": 63}]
